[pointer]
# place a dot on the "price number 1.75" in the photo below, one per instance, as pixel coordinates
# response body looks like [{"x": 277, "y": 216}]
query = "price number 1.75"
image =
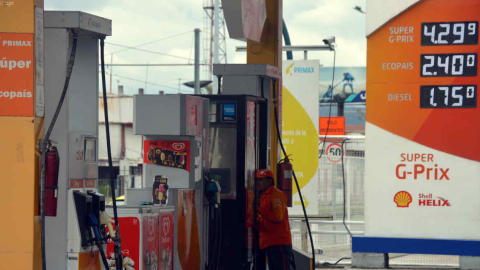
[{"x": 448, "y": 96}]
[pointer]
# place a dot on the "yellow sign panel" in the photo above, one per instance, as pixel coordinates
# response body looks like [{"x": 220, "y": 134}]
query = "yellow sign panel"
[
  {"x": 17, "y": 16},
  {"x": 300, "y": 129}
]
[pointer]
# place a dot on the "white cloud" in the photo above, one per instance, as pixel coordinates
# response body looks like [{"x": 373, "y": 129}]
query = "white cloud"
[{"x": 140, "y": 21}]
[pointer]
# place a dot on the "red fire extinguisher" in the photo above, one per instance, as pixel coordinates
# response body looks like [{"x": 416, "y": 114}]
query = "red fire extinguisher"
[
  {"x": 285, "y": 175},
  {"x": 52, "y": 165}
]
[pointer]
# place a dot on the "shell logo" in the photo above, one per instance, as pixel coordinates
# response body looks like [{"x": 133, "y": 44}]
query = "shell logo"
[{"x": 402, "y": 199}]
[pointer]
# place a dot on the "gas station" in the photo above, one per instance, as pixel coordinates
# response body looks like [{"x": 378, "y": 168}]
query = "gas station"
[{"x": 197, "y": 207}]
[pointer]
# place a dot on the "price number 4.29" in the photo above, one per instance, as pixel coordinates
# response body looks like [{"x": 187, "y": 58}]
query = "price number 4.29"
[{"x": 450, "y": 33}]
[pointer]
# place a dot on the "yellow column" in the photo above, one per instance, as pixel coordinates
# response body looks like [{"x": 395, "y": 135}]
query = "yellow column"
[
  {"x": 271, "y": 53},
  {"x": 20, "y": 131}
]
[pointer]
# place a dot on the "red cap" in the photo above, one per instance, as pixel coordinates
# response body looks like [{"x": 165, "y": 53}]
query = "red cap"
[{"x": 264, "y": 173}]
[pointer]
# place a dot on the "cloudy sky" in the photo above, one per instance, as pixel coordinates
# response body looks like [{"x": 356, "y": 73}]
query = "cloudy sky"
[{"x": 137, "y": 22}]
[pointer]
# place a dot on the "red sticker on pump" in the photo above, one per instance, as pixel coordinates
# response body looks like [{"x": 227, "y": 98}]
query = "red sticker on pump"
[{"x": 168, "y": 153}]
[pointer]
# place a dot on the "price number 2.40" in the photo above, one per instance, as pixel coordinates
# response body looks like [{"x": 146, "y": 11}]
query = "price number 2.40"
[{"x": 446, "y": 65}]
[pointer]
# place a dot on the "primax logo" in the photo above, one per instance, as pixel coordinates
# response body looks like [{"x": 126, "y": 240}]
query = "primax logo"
[
  {"x": 289, "y": 69},
  {"x": 304, "y": 70},
  {"x": 299, "y": 69}
]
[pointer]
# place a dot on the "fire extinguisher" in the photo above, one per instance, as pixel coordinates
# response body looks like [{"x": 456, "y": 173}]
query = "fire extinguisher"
[
  {"x": 285, "y": 175},
  {"x": 52, "y": 165}
]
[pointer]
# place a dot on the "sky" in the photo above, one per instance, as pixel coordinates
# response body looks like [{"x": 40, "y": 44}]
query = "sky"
[{"x": 136, "y": 22}]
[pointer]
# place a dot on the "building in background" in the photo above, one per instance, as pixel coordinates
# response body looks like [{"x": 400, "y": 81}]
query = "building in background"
[{"x": 126, "y": 147}]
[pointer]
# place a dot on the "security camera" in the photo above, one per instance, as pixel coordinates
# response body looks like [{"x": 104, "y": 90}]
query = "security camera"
[{"x": 329, "y": 40}]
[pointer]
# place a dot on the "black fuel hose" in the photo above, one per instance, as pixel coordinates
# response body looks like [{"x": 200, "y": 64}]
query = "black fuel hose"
[
  {"x": 330, "y": 105},
  {"x": 294, "y": 176},
  {"x": 117, "y": 240},
  {"x": 103, "y": 256},
  {"x": 71, "y": 61}
]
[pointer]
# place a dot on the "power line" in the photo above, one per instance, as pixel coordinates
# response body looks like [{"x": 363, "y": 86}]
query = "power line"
[
  {"x": 133, "y": 48},
  {"x": 150, "y": 42},
  {"x": 132, "y": 79}
]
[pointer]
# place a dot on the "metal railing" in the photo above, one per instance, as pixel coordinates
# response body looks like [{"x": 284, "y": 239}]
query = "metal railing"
[{"x": 330, "y": 236}]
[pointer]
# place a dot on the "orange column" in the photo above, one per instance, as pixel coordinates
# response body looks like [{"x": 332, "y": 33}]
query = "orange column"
[
  {"x": 20, "y": 131},
  {"x": 271, "y": 53}
]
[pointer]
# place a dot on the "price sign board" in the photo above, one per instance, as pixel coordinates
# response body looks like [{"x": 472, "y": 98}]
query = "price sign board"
[{"x": 422, "y": 131}]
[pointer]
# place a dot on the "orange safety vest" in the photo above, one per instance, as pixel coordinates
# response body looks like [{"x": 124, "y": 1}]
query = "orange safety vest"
[{"x": 274, "y": 227}]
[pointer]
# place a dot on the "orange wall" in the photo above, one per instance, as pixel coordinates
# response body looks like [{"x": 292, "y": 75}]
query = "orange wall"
[
  {"x": 17, "y": 164},
  {"x": 19, "y": 160}
]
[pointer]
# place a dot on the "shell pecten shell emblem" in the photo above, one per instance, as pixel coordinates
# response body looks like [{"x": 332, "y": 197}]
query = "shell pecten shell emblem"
[{"x": 402, "y": 199}]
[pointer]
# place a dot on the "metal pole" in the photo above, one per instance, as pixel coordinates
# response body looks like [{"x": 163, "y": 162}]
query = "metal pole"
[
  {"x": 305, "y": 55},
  {"x": 197, "y": 61},
  {"x": 216, "y": 29},
  {"x": 146, "y": 80},
  {"x": 111, "y": 72}
]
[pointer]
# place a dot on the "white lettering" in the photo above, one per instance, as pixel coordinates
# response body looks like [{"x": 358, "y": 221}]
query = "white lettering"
[
  {"x": 401, "y": 34},
  {"x": 16, "y": 95},
  {"x": 400, "y": 97},
  {"x": 3, "y": 63},
  {"x": 17, "y": 43},
  {"x": 12, "y": 64},
  {"x": 397, "y": 66}
]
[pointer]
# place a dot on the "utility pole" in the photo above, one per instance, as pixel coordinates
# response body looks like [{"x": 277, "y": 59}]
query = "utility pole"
[
  {"x": 197, "y": 61},
  {"x": 216, "y": 29},
  {"x": 111, "y": 72},
  {"x": 146, "y": 79}
]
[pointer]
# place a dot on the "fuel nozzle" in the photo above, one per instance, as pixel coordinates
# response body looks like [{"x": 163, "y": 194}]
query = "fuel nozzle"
[
  {"x": 105, "y": 219},
  {"x": 213, "y": 189}
]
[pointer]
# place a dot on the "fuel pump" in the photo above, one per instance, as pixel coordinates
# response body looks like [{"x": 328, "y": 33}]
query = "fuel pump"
[
  {"x": 175, "y": 129},
  {"x": 73, "y": 213}
]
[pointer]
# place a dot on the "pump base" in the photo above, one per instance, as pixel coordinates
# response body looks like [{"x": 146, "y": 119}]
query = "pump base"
[
  {"x": 469, "y": 262},
  {"x": 369, "y": 260}
]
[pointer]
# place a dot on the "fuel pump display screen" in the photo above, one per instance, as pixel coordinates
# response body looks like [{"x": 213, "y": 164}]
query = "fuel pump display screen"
[
  {"x": 229, "y": 113},
  {"x": 90, "y": 149}
]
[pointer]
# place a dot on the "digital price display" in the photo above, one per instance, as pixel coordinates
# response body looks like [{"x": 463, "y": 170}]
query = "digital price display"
[
  {"x": 450, "y": 33},
  {"x": 447, "y": 65},
  {"x": 448, "y": 96},
  {"x": 422, "y": 83}
]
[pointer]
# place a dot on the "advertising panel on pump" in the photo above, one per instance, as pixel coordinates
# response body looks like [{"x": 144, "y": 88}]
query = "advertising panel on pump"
[{"x": 16, "y": 74}]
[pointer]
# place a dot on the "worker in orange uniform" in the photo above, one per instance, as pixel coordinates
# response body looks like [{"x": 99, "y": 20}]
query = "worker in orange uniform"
[{"x": 273, "y": 224}]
